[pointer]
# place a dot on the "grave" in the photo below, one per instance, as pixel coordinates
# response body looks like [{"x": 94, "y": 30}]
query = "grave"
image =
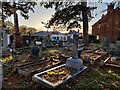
[
  {"x": 113, "y": 61},
  {"x": 35, "y": 51},
  {"x": 5, "y": 51},
  {"x": 64, "y": 58},
  {"x": 36, "y": 67},
  {"x": 56, "y": 76},
  {"x": 75, "y": 62},
  {"x": 118, "y": 45},
  {"x": 115, "y": 53},
  {"x": 93, "y": 56},
  {"x": 106, "y": 43},
  {"x": 5, "y": 37}
]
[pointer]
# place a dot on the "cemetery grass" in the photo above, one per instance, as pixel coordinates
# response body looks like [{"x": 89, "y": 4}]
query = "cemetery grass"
[{"x": 95, "y": 77}]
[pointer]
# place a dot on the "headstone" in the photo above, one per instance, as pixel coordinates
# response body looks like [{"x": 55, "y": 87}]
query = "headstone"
[
  {"x": 106, "y": 43},
  {"x": 5, "y": 38},
  {"x": 44, "y": 43},
  {"x": 40, "y": 49},
  {"x": 115, "y": 53},
  {"x": 118, "y": 45},
  {"x": 35, "y": 51}
]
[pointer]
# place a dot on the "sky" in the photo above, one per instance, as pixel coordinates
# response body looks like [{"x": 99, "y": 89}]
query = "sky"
[
  {"x": 43, "y": 15},
  {"x": 40, "y": 15}
]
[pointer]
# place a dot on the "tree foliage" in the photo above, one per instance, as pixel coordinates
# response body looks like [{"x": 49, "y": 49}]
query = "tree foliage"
[
  {"x": 26, "y": 30},
  {"x": 23, "y": 7},
  {"x": 71, "y": 14},
  {"x": 68, "y": 13},
  {"x": 9, "y": 26}
]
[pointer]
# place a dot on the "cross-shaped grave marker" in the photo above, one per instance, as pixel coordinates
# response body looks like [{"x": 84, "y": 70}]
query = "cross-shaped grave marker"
[{"x": 75, "y": 41}]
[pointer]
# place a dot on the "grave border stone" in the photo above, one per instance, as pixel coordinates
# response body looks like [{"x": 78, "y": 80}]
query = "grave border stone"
[{"x": 38, "y": 79}]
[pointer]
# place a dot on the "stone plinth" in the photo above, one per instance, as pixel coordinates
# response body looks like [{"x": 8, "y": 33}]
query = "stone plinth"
[{"x": 75, "y": 63}]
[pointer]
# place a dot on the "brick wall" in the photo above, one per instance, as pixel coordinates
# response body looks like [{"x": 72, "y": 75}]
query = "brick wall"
[{"x": 108, "y": 26}]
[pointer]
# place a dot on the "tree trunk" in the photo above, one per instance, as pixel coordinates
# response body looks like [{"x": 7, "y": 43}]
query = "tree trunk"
[
  {"x": 16, "y": 34},
  {"x": 85, "y": 25}
]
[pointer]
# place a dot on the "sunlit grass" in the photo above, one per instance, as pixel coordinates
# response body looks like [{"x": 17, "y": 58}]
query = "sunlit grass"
[{"x": 98, "y": 80}]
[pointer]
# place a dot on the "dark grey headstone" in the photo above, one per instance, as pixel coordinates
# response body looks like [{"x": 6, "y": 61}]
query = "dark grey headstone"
[
  {"x": 35, "y": 51},
  {"x": 118, "y": 45},
  {"x": 106, "y": 43},
  {"x": 115, "y": 53}
]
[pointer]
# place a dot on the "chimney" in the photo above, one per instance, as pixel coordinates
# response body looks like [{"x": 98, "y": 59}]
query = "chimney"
[{"x": 110, "y": 7}]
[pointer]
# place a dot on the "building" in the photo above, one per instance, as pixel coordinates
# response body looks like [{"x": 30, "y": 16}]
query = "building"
[
  {"x": 109, "y": 25},
  {"x": 58, "y": 37}
]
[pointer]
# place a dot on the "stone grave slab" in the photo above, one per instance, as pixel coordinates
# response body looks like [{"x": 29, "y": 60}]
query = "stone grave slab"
[
  {"x": 90, "y": 57},
  {"x": 113, "y": 62},
  {"x": 56, "y": 76}
]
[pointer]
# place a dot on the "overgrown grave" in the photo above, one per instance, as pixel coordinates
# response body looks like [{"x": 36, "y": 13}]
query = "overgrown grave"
[
  {"x": 33, "y": 68},
  {"x": 114, "y": 59},
  {"x": 94, "y": 55},
  {"x": 39, "y": 64}
]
